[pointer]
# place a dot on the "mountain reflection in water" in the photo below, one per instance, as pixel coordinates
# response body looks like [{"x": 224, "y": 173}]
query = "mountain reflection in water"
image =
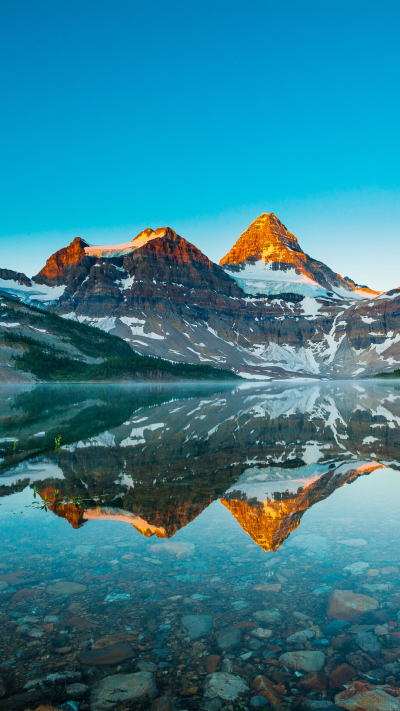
[{"x": 156, "y": 457}]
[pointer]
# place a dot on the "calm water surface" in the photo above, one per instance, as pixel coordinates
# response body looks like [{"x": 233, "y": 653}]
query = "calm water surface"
[{"x": 177, "y": 532}]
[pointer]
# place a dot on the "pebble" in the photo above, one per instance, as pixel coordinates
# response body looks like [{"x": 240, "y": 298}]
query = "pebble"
[
  {"x": 239, "y": 605},
  {"x": 261, "y": 632},
  {"x": 356, "y": 568},
  {"x": 211, "y": 662},
  {"x": 301, "y": 637},
  {"x": 76, "y": 690},
  {"x": 257, "y": 702},
  {"x": 381, "y": 630},
  {"x": 227, "y": 666},
  {"x": 146, "y": 666},
  {"x": 35, "y": 633}
]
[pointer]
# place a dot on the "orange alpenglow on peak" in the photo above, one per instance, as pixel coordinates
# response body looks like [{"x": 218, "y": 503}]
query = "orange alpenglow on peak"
[
  {"x": 267, "y": 248},
  {"x": 268, "y": 239}
]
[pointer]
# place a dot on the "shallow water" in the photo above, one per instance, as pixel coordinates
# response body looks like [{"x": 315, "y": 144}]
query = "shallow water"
[{"x": 144, "y": 528}]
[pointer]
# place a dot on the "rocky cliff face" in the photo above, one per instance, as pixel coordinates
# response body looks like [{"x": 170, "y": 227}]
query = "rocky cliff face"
[
  {"x": 53, "y": 273},
  {"x": 266, "y": 238}
]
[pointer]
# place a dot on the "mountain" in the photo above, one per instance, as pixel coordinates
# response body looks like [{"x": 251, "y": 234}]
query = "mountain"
[
  {"x": 268, "y": 259},
  {"x": 267, "y": 311}
]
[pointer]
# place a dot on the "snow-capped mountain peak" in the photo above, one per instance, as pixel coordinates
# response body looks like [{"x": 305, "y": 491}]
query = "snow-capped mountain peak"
[{"x": 267, "y": 259}]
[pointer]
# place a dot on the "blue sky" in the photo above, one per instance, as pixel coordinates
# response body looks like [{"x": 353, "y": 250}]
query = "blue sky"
[{"x": 117, "y": 115}]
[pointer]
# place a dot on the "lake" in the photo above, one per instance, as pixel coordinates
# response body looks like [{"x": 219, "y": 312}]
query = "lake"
[{"x": 200, "y": 546}]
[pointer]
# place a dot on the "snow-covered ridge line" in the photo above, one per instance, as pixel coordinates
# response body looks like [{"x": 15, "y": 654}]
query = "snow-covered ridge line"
[{"x": 119, "y": 250}]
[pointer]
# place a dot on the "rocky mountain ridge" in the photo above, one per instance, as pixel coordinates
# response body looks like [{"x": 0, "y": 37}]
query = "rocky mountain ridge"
[{"x": 267, "y": 311}]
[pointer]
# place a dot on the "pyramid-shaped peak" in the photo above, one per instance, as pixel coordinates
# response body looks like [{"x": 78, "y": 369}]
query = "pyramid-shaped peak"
[{"x": 267, "y": 238}]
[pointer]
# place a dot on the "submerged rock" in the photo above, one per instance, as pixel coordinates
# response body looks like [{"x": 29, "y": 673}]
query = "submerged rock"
[
  {"x": 361, "y": 695},
  {"x": 343, "y": 674},
  {"x": 114, "y": 654},
  {"x": 146, "y": 666},
  {"x": 261, "y": 632},
  {"x": 315, "y": 680},
  {"x": 306, "y": 661},
  {"x": 224, "y": 686},
  {"x": 229, "y": 637},
  {"x": 76, "y": 690},
  {"x": 336, "y": 627},
  {"x": 122, "y": 688},
  {"x": 227, "y": 666},
  {"x": 349, "y": 606},
  {"x": 368, "y": 643},
  {"x": 53, "y": 679},
  {"x": 356, "y": 568},
  {"x": 269, "y": 617},
  {"x": 257, "y": 702},
  {"x": 300, "y": 637},
  {"x": 197, "y": 625}
]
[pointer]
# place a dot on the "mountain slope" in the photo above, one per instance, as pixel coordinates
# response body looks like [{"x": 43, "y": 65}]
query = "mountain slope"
[
  {"x": 37, "y": 345},
  {"x": 267, "y": 256}
]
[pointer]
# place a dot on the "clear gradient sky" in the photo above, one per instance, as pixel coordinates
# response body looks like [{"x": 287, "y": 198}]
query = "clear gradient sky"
[{"x": 122, "y": 114}]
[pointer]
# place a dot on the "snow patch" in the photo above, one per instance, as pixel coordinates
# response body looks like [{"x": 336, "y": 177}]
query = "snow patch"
[{"x": 137, "y": 435}]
